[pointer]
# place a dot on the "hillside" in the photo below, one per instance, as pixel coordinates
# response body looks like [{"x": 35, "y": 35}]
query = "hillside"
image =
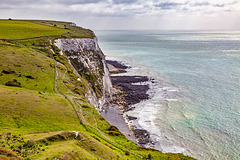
[{"x": 45, "y": 96}]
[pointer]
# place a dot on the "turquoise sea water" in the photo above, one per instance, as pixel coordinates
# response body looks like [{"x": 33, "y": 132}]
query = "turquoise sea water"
[{"x": 195, "y": 105}]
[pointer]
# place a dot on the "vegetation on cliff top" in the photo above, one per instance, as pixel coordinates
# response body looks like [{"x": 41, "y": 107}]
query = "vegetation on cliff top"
[
  {"x": 38, "y": 117},
  {"x": 22, "y": 29}
]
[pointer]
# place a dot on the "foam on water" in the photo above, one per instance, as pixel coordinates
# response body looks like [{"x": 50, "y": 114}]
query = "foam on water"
[{"x": 195, "y": 97}]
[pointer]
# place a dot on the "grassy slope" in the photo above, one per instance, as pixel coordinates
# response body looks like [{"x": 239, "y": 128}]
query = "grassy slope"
[
  {"x": 24, "y": 62},
  {"x": 30, "y": 111},
  {"x": 23, "y": 29},
  {"x": 34, "y": 116}
]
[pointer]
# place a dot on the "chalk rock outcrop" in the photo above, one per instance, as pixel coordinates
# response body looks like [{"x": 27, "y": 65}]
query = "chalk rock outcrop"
[{"x": 88, "y": 59}]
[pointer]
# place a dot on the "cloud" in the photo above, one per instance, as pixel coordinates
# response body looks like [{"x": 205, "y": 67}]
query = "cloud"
[
  {"x": 209, "y": 4},
  {"x": 169, "y": 5},
  {"x": 122, "y": 7},
  {"x": 219, "y": 5},
  {"x": 123, "y": 1},
  {"x": 71, "y": 2},
  {"x": 139, "y": 12},
  {"x": 201, "y": 4}
]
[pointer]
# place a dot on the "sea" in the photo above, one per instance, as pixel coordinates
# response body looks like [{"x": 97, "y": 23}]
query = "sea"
[{"x": 194, "y": 107}]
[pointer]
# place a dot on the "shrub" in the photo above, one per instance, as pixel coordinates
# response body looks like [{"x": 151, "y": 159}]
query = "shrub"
[
  {"x": 30, "y": 144},
  {"x": 127, "y": 153},
  {"x": 78, "y": 91},
  {"x": 30, "y": 77},
  {"x": 85, "y": 106},
  {"x": 14, "y": 83},
  {"x": 20, "y": 147},
  {"x": 149, "y": 156},
  {"x": 113, "y": 128},
  {"x": 113, "y": 133},
  {"x": 101, "y": 118},
  {"x": 148, "y": 149},
  {"x": 8, "y": 72}
]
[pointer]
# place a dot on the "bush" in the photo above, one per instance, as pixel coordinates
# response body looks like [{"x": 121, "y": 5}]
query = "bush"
[
  {"x": 29, "y": 144},
  {"x": 78, "y": 91},
  {"x": 8, "y": 72},
  {"x": 30, "y": 77},
  {"x": 14, "y": 83},
  {"x": 149, "y": 156},
  {"x": 113, "y": 133},
  {"x": 113, "y": 128},
  {"x": 85, "y": 106},
  {"x": 148, "y": 149},
  {"x": 127, "y": 153}
]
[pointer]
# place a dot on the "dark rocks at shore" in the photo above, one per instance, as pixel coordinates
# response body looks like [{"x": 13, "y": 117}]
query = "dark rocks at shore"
[
  {"x": 129, "y": 79},
  {"x": 117, "y": 64},
  {"x": 131, "y": 118},
  {"x": 118, "y": 71},
  {"x": 142, "y": 136},
  {"x": 133, "y": 93},
  {"x": 129, "y": 94}
]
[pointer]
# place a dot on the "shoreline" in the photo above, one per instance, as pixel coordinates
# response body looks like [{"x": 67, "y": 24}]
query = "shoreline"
[{"x": 130, "y": 90}]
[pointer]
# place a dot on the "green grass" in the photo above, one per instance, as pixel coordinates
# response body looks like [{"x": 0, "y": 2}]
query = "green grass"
[
  {"x": 26, "y": 111},
  {"x": 35, "y": 112},
  {"x": 23, "y": 62},
  {"x": 73, "y": 31},
  {"x": 14, "y": 29}
]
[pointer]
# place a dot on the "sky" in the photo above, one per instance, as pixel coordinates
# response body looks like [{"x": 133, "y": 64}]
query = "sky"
[{"x": 130, "y": 14}]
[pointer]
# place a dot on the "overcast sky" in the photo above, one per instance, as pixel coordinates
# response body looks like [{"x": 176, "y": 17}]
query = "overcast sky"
[{"x": 130, "y": 14}]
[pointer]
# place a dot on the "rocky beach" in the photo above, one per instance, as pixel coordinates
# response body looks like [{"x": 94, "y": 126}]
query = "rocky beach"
[{"x": 130, "y": 90}]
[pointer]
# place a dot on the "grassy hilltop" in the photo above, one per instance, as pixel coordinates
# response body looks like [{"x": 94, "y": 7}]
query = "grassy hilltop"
[{"x": 42, "y": 103}]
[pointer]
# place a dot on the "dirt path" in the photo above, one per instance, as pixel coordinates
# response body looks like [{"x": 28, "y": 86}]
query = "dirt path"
[{"x": 80, "y": 115}]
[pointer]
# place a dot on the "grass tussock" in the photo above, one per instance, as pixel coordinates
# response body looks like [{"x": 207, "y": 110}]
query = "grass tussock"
[{"x": 7, "y": 154}]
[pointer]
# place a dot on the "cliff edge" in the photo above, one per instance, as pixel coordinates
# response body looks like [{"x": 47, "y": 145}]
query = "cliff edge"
[
  {"x": 89, "y": 61},
  {"x": 53, "y": 76}
]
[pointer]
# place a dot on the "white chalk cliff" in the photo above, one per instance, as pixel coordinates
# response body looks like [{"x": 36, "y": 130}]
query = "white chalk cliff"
[{"x": 88, "y": 59}]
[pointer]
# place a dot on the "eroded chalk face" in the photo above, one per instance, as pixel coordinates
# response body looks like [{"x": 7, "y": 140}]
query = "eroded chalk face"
[{"x": 87, "y": 58}]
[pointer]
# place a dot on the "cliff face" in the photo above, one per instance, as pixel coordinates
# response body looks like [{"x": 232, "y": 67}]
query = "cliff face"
[
  {"x": 42, "y": 104},
  {"x": 89, "y": 61}
]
